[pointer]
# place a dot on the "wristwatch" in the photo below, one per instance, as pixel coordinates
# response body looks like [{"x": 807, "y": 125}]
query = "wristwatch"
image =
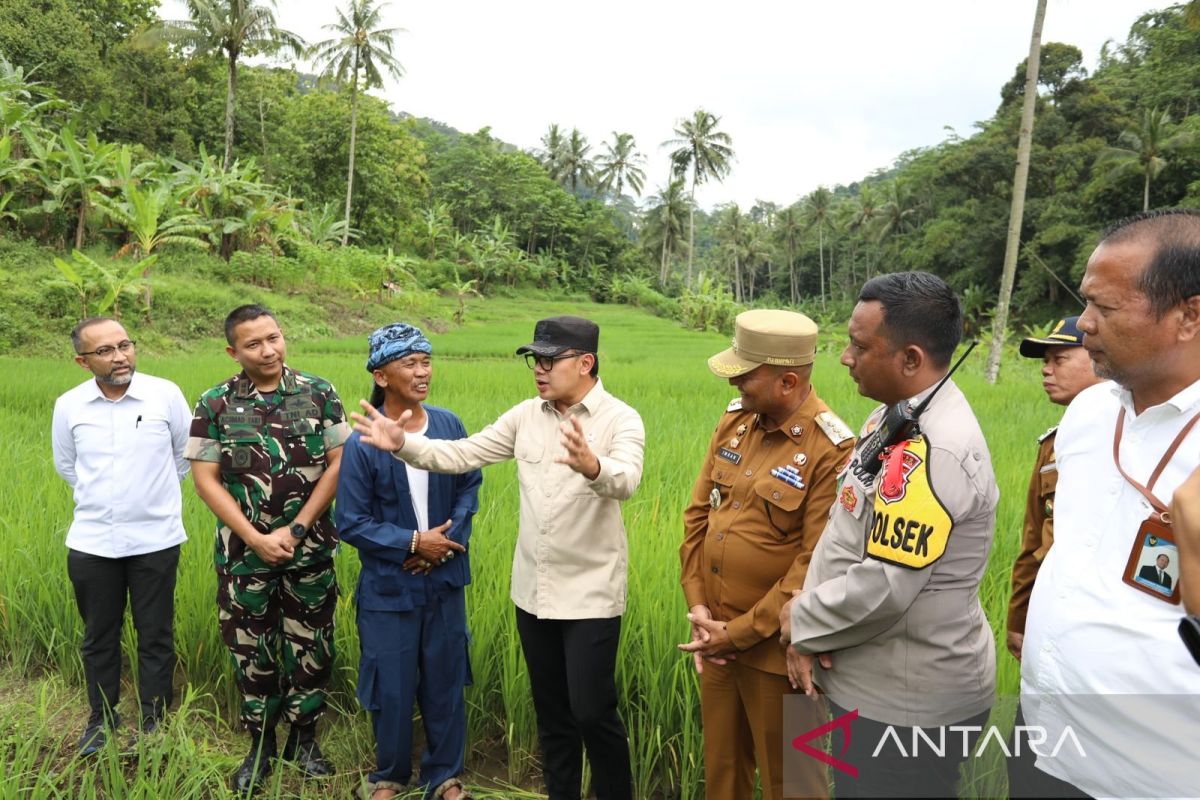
[
  {"x": 1189, "y": 631},
  {"x": 298, "y": 530}
]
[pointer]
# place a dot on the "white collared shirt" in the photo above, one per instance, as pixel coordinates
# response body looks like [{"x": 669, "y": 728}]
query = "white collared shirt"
[
  {"x": 1090, "y": 638},
  {"x": 124, "y": 460},
  {"x": 571, "y": 556}
]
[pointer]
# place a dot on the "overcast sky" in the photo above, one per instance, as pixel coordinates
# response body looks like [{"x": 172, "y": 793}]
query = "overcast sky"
[{"x": 812, "y": 93}]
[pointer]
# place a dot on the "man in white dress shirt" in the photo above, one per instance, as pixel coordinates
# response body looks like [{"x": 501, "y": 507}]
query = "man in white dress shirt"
[
  {"x": 1101, "y": 657},
  {"x": 118, "y": 440}
]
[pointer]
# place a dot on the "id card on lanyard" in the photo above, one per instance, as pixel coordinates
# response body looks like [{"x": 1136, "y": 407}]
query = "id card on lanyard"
[{"x": 1154, "y": 555}]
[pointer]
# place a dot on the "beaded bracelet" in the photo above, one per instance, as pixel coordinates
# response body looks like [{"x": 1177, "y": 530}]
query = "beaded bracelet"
[{"x": 416, "y": 541}]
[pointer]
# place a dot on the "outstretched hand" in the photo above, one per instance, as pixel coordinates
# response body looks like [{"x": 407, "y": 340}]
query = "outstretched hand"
[{"x": 377, "y": 429}]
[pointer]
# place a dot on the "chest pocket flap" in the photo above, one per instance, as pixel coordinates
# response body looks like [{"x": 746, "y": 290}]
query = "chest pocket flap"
[
  {"x": 783, "y": 505},
  {"x": 524, "y": 450}
]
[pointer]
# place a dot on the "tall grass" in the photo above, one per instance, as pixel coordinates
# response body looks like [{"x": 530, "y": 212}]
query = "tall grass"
[{"x": 648, "y": 362}]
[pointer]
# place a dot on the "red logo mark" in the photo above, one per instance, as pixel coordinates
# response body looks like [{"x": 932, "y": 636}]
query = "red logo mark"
[
  {"x": 898, "y": 465},
  {"x": 843, "y": 722},
  {"x": 849, "y": 498}
]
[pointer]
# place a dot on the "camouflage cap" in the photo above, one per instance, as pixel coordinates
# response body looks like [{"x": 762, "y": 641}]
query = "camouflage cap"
[{"x": 767, "y": 336}]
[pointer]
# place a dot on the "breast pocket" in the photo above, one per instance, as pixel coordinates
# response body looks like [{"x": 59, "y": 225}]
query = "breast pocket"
[
  {"x": 528, "y": 452},
  {"x": 305, "y": 443},
  {"x": 242, "y": 452},
  {"x": 783, "y": 505},
  {"x": 1047, "y": 484}
]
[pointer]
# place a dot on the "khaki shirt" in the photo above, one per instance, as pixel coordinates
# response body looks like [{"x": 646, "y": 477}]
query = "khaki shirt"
[
  {"x": 743, "y": 557},
  {"x": 910, "y": 646},
  {"x": 1037, "y": 533},
  {"x": 571, "y": 556}
]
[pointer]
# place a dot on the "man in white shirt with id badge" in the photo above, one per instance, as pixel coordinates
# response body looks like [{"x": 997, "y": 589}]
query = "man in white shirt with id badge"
[{"x": 1105, "y": 679}]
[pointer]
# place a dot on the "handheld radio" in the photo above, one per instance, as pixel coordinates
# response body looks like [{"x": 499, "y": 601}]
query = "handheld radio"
[{"x": 899, "y": 423}]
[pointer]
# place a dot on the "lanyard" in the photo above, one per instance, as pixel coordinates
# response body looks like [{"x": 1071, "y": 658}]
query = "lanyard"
[{"x": 1159, "y": 507}]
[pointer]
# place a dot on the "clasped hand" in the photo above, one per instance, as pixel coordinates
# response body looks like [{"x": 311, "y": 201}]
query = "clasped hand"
[{"x": 433, "y": 549}]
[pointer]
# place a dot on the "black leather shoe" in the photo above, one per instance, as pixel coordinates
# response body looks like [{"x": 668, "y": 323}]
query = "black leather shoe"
[
  {"x": 255, "y": 768},
  {"x": 95, "y": 736},
  {"x": 301, "y": 748}
]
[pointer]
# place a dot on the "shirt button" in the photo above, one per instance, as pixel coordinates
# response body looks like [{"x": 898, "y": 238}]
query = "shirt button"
[
  {"x": 720, "y": 536},
  {"x": 737, "y": 504},
  {"x": 749, "y": 472},
  {"x": 715, "y": 570},
  {"x": 775, "y": 495}
]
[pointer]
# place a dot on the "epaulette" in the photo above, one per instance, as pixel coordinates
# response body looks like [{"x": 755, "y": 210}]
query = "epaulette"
[
  {"x": 1047, "y": 434},
  {"x": 834, "y": 428},
  {"x": 734, "y": 405}
]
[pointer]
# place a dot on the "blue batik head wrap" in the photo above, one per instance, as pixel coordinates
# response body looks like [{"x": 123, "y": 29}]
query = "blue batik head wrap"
[{"x": 395, "y": 341}]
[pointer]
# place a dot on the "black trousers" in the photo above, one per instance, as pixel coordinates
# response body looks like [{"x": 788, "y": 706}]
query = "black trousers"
[
  {"x": 919, "y": 773},
  {"x": 572, "y": 671},
  {"x": 101, "y": 585}
]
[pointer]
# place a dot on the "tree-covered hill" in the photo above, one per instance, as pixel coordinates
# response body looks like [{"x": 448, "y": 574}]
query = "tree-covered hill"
[{"x": 113, "y": 132}]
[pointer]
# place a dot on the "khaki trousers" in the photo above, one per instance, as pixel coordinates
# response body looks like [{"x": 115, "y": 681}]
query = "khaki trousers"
[{"x": 742, "y": 711}]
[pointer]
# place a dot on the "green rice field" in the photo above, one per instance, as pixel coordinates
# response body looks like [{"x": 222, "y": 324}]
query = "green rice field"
[{"x": 648, "y": 362}]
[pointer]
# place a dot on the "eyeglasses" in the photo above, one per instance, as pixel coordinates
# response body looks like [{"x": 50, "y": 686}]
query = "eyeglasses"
[
  {"x": 547, "y": 362},
  {"x": 108, "y": 350}
]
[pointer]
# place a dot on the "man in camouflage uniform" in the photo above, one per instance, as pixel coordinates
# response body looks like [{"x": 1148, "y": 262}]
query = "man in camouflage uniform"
[{"x": 265, "y": 448}]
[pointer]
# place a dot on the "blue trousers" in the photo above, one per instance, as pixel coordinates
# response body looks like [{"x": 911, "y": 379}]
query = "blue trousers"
[{"x": 416, "y": 655}]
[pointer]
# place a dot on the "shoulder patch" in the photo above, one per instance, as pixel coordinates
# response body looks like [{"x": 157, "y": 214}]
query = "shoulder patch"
[
  {"x": 734, "y": 405},
  {"x": 911, "y": 526},
  {"x": 834, "y": 428},
  {"x": 1047, "y": 434}
]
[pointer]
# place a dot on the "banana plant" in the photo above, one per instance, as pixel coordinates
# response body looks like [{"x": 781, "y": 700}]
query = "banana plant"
[{"x": 87, "y": 277}]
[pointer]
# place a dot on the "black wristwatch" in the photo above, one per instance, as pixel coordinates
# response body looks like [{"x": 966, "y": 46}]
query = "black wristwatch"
[
  {"x": 1189, "y": 631},
  {"x": 298, "y": 530}
]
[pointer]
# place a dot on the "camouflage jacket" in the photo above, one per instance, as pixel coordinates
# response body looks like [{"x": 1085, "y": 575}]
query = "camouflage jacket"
[{"x": 271, "y": 454}]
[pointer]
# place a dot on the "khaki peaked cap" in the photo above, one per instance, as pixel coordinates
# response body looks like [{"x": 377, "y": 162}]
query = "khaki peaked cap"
[{"x": 767, "y": 336}]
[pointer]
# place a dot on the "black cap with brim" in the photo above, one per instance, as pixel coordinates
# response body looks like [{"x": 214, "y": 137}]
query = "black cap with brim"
[
  {"x": 1066, "y": 333},
  {"x": 556, "y": 335}
]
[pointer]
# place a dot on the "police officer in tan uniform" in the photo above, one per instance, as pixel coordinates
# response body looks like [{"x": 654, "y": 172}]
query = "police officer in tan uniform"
[
  {"x": 889, "y": 624},
  {"x": 757, "y": 509},
  {"x": 1066, "y": 371}
]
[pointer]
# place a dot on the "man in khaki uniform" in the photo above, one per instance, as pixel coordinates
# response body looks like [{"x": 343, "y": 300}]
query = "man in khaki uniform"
[
  {"x": 1066, "y": 371},
  {"x": 757, "y": 509}
]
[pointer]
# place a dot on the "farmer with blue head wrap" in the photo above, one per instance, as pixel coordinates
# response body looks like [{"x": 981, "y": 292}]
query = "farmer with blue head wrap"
[{"x": 411, "y": 529}]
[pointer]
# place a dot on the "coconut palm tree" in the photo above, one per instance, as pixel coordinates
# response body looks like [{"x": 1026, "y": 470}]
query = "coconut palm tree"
[
  {"x": 732, "y": 236},
  {"x": 551, "y": 154},
  {"x": 574, "y": 165},
  {"x": 818, "y": 213},
  {"x": 707, "y": 152},
  {"x": 665, "y": 219},
  {"x": 1016, "y": 211},
  {"x": 236, "y": 28},
  {"x": 360, "y": 47},
  {"x": 1145, "y": 148},
  {"x": 619, "y": 165},
  {"x": 789, "y": 226}
]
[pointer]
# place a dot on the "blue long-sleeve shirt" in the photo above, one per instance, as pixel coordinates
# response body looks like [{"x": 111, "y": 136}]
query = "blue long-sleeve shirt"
[{"x": 375, "y": 515}]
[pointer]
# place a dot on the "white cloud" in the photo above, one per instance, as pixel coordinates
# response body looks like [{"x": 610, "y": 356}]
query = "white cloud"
[{"x": 811, "y": 92}]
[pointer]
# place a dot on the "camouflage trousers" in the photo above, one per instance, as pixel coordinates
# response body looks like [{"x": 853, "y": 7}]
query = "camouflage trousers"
[{"x": 278, "y": 627}]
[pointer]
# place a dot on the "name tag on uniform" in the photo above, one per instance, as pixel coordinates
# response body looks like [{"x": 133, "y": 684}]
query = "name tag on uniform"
[{"x": 730, "y": 455}]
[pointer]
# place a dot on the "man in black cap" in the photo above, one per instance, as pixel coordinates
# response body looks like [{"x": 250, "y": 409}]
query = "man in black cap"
[
  {"x": 579, "y": 454},
  {"x": 1066, "y": 371}
]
